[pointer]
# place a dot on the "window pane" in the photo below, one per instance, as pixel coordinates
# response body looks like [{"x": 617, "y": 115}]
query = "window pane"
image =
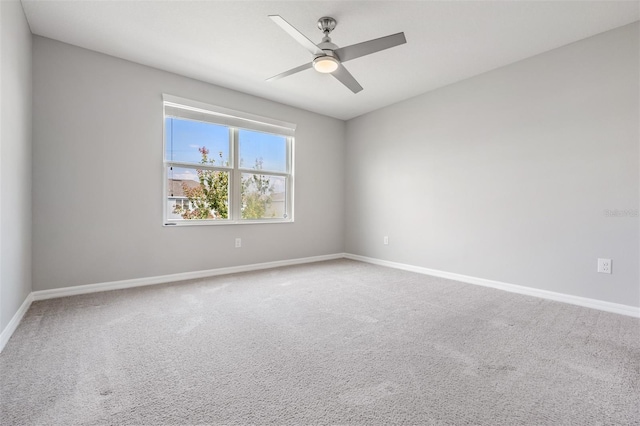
[
  {"x": 194, "y": 194},
  {"x": 262, "y": 151},
  {"x": 263, "y": 196},
  {"x": 196, "y": 142}
]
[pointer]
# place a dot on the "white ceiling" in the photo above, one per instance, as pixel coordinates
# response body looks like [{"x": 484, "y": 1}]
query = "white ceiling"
[{"x": 233, "y": 43}]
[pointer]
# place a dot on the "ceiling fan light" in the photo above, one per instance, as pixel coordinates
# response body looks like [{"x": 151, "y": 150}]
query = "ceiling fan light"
[{"x": 325, "y": 64}]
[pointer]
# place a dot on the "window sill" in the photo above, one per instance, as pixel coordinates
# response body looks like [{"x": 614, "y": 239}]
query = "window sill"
[{"x": 224, "y": 222}]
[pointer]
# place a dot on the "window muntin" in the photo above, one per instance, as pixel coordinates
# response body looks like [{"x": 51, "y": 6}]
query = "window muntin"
[{"x": 218, "y": 173}]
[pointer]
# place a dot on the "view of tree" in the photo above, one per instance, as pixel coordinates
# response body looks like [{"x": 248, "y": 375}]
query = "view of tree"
[
  {"x": 256, "y": 194},
  {"x": 209, "y": 200}
]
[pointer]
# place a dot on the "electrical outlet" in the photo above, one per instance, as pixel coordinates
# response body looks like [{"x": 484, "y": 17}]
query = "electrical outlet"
[
  {"x": 386, "y": 240},
  {"x": 604, "y": 266},
  {"x": 238, "y": 242}
]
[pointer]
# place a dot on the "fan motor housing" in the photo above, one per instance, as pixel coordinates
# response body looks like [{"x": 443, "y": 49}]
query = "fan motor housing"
[{"x": 327, "y": 46}]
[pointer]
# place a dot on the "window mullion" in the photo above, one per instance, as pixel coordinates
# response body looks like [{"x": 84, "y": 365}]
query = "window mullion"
[{"x": 236, "y": 196}]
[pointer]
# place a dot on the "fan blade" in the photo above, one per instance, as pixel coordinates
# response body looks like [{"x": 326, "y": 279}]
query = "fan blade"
[
  {"x": 291, "y": 71},
  {"x": 354, "y": 51},
  {"x": 297, "y": 35},
  {"x": 345, "y": 77}
]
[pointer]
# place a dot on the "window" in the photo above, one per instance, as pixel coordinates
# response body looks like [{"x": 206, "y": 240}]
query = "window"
[{"x": 225, "y": 167}]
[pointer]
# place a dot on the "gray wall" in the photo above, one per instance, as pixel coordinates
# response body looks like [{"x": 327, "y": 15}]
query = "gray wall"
[
  {"x": 506, "y": 176},
  {"x": 15, "y": 160},
  {"x": 98, "y": 176}
]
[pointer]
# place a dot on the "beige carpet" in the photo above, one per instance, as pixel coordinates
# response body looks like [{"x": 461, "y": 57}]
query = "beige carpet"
[{"x": 337, "y": 342}]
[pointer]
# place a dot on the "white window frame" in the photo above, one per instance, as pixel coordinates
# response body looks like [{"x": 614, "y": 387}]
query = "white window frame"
[{"x": 234, "y": 120}]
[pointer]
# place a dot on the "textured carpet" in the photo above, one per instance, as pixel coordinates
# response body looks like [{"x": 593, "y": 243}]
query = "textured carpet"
[{"x": 338, "y": 342}]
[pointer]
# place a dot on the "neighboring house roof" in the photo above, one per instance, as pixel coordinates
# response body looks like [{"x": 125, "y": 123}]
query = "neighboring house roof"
[
  {"x": 277, "y": 196},
  {"x": 175, "y": 188}
]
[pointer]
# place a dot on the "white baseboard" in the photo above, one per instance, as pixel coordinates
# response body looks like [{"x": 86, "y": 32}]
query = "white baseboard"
[
  {"x": 601, "y": 305},
  {"x": 15, "y": 321},
  {"x": 139, "y": 282}
]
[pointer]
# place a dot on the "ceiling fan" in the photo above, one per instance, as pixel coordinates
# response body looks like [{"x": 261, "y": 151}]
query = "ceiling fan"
[{"x": 328, "y": 57}]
